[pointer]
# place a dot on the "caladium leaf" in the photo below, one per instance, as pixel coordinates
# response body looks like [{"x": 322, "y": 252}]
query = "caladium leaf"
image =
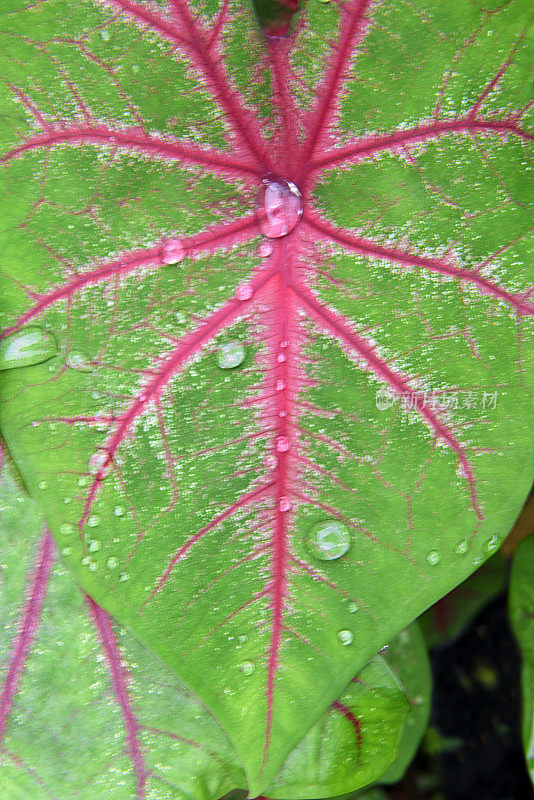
[
  {"x": 78, "y": 686},
  {"x": 270, "y": 296},
  {"x": 522, "y": 618}
]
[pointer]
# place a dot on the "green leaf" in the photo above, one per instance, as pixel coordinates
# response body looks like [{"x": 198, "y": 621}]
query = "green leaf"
[
  {"x": 157, "y": 158},
  {"x": 408, "y": 657},
  {"x": 522, "y": 617},
  {"x": 80, "y": 687}
]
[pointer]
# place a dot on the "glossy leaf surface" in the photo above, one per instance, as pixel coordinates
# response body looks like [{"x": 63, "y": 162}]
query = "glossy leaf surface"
[
  {"x": 140, "y": 139},
  {"x": 522, "y": 619},
  {"x": 76, "y": 685}
]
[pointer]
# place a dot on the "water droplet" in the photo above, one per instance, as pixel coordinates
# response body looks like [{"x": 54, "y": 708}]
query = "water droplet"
[
  {"x": 76, "y": 360},
  {"x": 282, "y": 444},
  {"x": 247, "y": 667},
  {"x": 67, "y": 500},
  {"x": 98, "y": 461},
  {"x": 280, "y": 386},
  {"x": 230, "y": 355},
  {"x": 434, "y": 557},
  {"x": 281, "y": 357},
  {"x": 282, "y": 414},
  {"x": 280, "y": 207},
  {"x": 271, "y": 461},
  {"x": 124, "y": 576},
  {"x": 328, "y": 540},
  {"x": 66, "y": 551},
  {"x": 462, "y": 547},
  {"x": 353, "y": 607},
  {"x": 42, "y": 485},
  {"x": 27, "y": 347},
  {"x": 345, "y": 637},
  {"x": 244, "y": 291},
  {"x": 66, "y": 529},
  {"x": 118, "y": 511},
  {"x": 86, "y": 561},
  {"x": 284, "y": 504},
  {"x": 105, "y": 35},
  {"x": 283, "y": 344},
  {"x": 242, "y": 638},
  {"x": 112, "y": 562},
  {"x": 93, "y": 521},
  {"x": 492, "y": 544},
  {"x": 173, "y": 252},
  {"x": 94, "y": 545},
  {"x": 83, "y": 480},
  {"x": 265, "y": 249}
]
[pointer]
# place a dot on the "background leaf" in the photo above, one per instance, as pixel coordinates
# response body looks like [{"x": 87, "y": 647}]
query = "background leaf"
[
  {"x": 522, "y": 618},
  {"x": 139, "y": 270}
]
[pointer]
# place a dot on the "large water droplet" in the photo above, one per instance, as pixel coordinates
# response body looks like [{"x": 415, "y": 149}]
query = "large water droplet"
[
  {"x": 112, "y": 562},
  {"x": 284, "y": 504},
  {"x": 280, "y": 207},
  {"x": 93, "y": 521},
  {"x": 345, "y": 637},
  {"x": 247, "y": 667},
  {"x": 492, "y": 544},
  {"x": 118, "y": 511},
  {"x": 27, "y": 347},
  {"x": 230, "y": 355},
  {"x": 434, "y": 557},
  {"x": 353, "y": 607},
  {"x": 94, "y": 545},
  {"x": 173, "y": 252},
  {"x": 328, "y": 540}
]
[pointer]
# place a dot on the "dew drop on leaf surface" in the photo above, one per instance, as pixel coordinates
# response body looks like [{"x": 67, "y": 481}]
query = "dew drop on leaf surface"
[
  {"x": 27, "y": 347},
  {"x": 230, "y": 355},
  {"x": 328, "y": 540},
  {"x": 173, "y": 252},
  {"x": 247, "y": 667},
  {"x": 434, "y": 557},
  {"x": 280, "y": 207},
  {"x": 346, "y": 637}
]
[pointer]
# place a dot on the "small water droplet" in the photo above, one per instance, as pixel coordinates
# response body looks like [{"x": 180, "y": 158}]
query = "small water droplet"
[
  {"x": 244, "y": 291},
  {"x": 66, "y": 529},
  {"x": 27, "y": 347},
  {"x": 280, "y": 386},
  {"x": 83, "y": 480},
  {"x": 67, "y": 500},
  {"x": 282, "y": 444},
  {"x": 328, "y": 540},
  {"x": 124, "y": 576},
  {"x": 98, "y": 461},
  {"x": 118, "y": 511},
  {"x": 462, "y": 547},
  {"x": 94, "y": 545},
  {"x": 345, "y": 637},
  {"x": 492, "y": 544},
  {"x": 247, "y": 667},
  {"x": 434, "y": 557},
  {"x": 76, "y": 360},
  {"x": 93, "y": 521},
  {"x": 271, "y": 461},
  {"x": 242, "y": 638},
  {"x": 173, "y": 252},
  {"x": 265, "y": 249},
  {"x": 353, "y": 607},
  {"x": 42, "y": 485},
  {"x": 283, "y": 344},
  {"x": 284, "y": 504},
  {"x": 280, "y": 207},
  {"x": 281, "y": 357},
  {"x": 112, "y": 562},
  {"x": 230, "y": 355},
  {"x": 66, "y": 551},
  {"x": 86, "y": 561},
  {"x": 105, "y": 35}
]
